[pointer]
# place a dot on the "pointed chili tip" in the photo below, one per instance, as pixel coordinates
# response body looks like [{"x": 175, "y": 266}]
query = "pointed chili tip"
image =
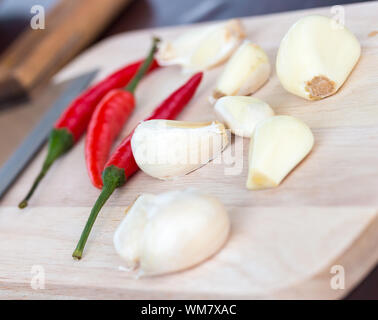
[
  {"x": 23, "y": 204},
  {"x": 77, "y": 254}
]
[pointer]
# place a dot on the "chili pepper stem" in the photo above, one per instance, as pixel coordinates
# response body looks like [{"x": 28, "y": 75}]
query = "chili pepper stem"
[
  {"x": 24, "y": 203},
  {"x": 113, "y": 178},
  {"x": 144, "y": 67},
  {"x": 106, "y": 192},
  {"x": 60, "y": 141}
]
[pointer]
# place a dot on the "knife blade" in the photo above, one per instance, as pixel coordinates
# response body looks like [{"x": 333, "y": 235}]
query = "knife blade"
[{"x": 31, "y": 145}]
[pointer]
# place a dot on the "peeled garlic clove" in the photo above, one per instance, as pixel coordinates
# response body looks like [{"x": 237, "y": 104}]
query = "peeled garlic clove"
[
  {"x": 203, "y": 48},
  {"x": 241, "y": 114},
  {"x": 166, "y": 149},
  {"x": 316, "y": 56},
  {"x": 173, "y": 231},
  {"x": 278, "y": 145},
  {"x": 246, "y": 71}
]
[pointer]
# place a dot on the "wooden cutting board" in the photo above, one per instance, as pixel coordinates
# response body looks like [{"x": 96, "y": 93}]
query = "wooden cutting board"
[{"x": 284, "y": 242}]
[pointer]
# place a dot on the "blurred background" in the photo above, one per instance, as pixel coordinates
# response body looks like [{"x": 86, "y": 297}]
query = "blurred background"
[
  {"x": 69, "y": 33},
  {"x": 137, "y": 14}
]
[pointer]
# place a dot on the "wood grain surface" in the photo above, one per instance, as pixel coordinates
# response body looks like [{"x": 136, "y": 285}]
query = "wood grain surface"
[{"x": 284, "y": 241}]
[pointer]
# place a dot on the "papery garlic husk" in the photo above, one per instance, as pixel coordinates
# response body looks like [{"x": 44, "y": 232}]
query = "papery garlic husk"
[
  {"x": 279, "y": 143},
  {"x": 203, "y": 48},
  {"x": 241, "y": 114},
  {"x": 166, "y": 149},
  {"x": 316, "y": 56},
  {"x": 171, "y": 231},
  {"x": 246, "y": 71}
]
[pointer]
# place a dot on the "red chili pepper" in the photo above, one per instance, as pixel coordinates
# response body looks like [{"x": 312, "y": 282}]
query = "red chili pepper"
[
  {"x": 74, "y": 121},
  {"x": 122, "y": 165},
  {"x": 77, "y": 116},
  {"x": 108, "y": 120}
]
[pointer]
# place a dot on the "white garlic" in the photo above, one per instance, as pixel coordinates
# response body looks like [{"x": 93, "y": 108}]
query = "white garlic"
[
  {"x": 277, "y": 146},
  {"x": 202, "y": 48},
  {"x": 171, "y": 231},
  {"x": 246, "y": 71},
  {"x": 316, "y": 56},
  {"x": 241, "y": 114},
  {"x": 166, "y": 149}
]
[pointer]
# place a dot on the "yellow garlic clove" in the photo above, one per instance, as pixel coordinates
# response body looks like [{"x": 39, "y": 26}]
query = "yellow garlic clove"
[
  {"x": 241, "y": 114},
  {"x": 203, "y": 48},
  {"x": 171, "y": 231},
  {"x": 316, "y": 56},
  {"x": 277, "y": 146},
  {"x": 166, "y": 149},
  {"x": 246, "y": 71}
]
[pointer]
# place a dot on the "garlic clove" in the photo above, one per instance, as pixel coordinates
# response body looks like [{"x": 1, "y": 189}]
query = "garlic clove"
[
  {"x": 217, "y": 46},
  {"x": 178, "y": 51},
  {"x": 166, "y": 149},
  {"x": 279, "y": 143},
  {"x": 241, "y": 114},
  {"x": 316, "y": 56},
  {"x": 203, "y": 48},
  {"x": 246, "y": 71},
  {"x": 127, "y": 236},
  {"x": 180, "y": 229}
]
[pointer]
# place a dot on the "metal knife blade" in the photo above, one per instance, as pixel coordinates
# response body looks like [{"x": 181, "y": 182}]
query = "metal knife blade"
[{"x": 26, "y": 151}]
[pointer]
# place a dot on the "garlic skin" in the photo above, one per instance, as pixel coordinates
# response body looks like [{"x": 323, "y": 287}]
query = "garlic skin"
[
  {"x": 171, "y": 231},
  {"x": 166, "y": 149},
  {"x": 204, "y": 48},
  {"x": 316, "y": 56},
  {"x": 278, "y": 145},
  {"x": 241, "y": 114},
  {"x": 246, "y": 71}
]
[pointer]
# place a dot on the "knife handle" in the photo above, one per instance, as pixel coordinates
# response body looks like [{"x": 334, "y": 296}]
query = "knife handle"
[{"x": 38, "y": 54}]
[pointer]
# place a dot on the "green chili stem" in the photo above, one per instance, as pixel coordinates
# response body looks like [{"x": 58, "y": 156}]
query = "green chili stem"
[
  {"x": 143, "y": 68},
  {"x": 104, "y": 196},
  {"x": 47, "y": 164},
  {"x": 60, "y": 141},
  {"x": 113, "y": 178}
]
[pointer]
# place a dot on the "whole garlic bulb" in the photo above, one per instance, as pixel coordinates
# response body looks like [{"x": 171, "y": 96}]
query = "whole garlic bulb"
[
  {"x": 166, "y": 149},
  {"x": 171, "y": 231}
]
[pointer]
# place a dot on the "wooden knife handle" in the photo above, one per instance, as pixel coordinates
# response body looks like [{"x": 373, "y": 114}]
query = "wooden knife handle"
[{"x": 38, "y": 54}]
